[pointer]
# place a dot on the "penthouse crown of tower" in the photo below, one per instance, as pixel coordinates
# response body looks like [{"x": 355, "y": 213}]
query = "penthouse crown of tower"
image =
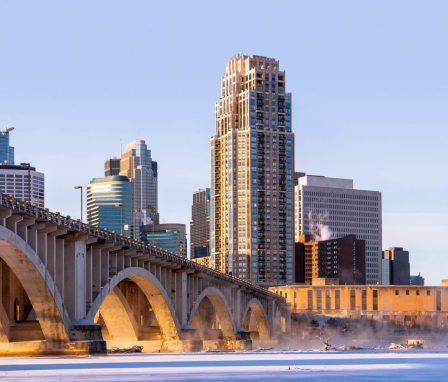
[{"x": 252, "y": 164}]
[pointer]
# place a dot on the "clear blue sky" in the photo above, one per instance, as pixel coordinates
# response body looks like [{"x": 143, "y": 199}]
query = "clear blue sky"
[{"x": 369, "y": 83}]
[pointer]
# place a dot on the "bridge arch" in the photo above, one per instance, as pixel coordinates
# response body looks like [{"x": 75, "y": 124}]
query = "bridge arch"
[
  {"x": 38, "y": 285},
  {"x": 155, "y": 294},
  {"x": 255, "y": 317},
  {"x": 214, "y": 297},
  {"x": 118, "y": 317}
]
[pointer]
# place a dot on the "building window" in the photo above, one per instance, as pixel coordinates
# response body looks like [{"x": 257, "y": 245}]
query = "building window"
[
  {"x": 428, "y": 292},
  {"x": 310, "y": 299},
  {"x": 375, "y": 299},
  {"x": 417, "y": 292},
  {"x": 337, "y": 299},
  {"x": 439, "y": 301},
  {"x": 397, "y": 292},
  {"x": 407, "y": 292},
  {"x": 327, "y": 300},
  {"x": 364, "y": 299},
  {"x": 352, "y": 299},
  {"x": 319, "y": 300}
]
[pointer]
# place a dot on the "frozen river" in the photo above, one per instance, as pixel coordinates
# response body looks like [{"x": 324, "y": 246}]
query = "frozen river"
[{"x": 245, "y": 366}]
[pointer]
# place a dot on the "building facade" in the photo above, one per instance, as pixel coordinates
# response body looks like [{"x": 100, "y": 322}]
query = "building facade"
[
  {"x": 200, "y": 224},
  {"x": 23, "y": 182},
  {"x": 112, "y": 167},
  {"x": 406, "y": 305},
  {"x": 136, "y": 164},
  {"x": 6, "y": 151},
  {"x": 110, "y": 203},
  {"x": 170, "y": 237},
  {"x": 330, "y": 207},
  {"x": 395, "y": 267},
  {"x": 339, "y": 258},
  {"x": 252, "y": 161}
]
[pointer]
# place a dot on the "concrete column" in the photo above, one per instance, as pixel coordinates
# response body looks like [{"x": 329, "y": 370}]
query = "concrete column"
[
  {"x": 42, "y": 246},
  {"x": 96, "y": 269},
  {"x": 4, "y": 213},
  {"x": 184, "y": 290},
  {"x": 59, "y": 265},
  {"x": 32, "y": 237},
  {"x": 239, "y": 310},
  {"x": 51, "y": 255},
  {"x": 22, "y": 227},
  {"x": 75, "y": 278},
  {"x": 89, "y": 276},
  {"x": 11, "y": 222}
]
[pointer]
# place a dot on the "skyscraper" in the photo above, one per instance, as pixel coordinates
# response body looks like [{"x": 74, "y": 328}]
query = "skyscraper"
[
  {"x": 395, "y": 267},
  {"x": 200, "y": 224},
  {"x": 331, "y": 208},
  {"x": 109, "y": 204},
  {"x": 252, "y": 160},
  {"x": 170, "y": 237},
  {"x": 136, "y": 164},
  {"x": 6, "y": 151},
  {"x": 112, "y": 167},
  {"x": 23, "y": 182},
  {"x": 339, "y": 258}
]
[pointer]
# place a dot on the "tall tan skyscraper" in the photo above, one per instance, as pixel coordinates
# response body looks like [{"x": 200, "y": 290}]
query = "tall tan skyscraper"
[
  {"x": 136, "y": 163},
  {"x": 252, "y": 160}
]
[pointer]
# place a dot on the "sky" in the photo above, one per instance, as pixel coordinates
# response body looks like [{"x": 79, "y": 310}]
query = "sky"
[{"x": 369, "y": 82}]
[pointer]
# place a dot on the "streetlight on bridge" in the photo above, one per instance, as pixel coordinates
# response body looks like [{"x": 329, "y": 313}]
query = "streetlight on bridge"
[{"x": 79, "y": 188}]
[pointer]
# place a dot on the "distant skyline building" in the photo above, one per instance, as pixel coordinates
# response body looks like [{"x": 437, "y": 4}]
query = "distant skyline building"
[
  {"x": 109, "y": 204},
  {"x": 6, "y": 151},
  {"x": 21, "y": 181},
  {"x": 395, "y": 267},
  {"x": 338, "y": 258},
  {"x": 112, "y": 167},
  {"x": 170, "y": 237},
  {"x": 136, "y": 164},
  {"x": 417, "y": 280},
  {"x": 252, "y": 161},
  {"x": 330, "y": 207},
  {"x": 200, "y": 224}
]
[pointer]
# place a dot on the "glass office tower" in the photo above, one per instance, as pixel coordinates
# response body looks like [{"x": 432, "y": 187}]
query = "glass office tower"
[{"x": 109, "y": 204}]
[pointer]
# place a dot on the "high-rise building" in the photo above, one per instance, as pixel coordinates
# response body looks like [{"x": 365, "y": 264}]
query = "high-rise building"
[
  {"x": 170, "y": 237},
  {"x": 339, "y": 258},
  {"x": 136, "y": 163},
  {"x": 395, "y": 267},
  {"x": 23, "y": 182},
  {"x": 417, "y": 280},
  {"x": 6, "y": 151},
  {"x": 330, "y": 207},
  {"x": 110, "y": 203},
  {"x": 112, "y": 167},
  {"x": 200, "y": 224},
  {"x": 252, "y": 160}
]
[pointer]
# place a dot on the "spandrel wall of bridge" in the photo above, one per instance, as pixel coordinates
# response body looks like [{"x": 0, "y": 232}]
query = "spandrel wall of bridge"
[{"x": 58, "y": 274}]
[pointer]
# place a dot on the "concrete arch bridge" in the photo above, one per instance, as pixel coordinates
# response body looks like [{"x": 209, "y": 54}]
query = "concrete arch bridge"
[{"x": 70, "y": 287}]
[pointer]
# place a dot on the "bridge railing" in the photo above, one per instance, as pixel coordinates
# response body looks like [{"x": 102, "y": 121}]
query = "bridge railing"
[{"x": 43, "y": 214}]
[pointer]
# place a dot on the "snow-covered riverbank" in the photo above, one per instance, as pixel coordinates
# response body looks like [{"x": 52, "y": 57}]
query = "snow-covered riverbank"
[{"x": 262, "y": 366}]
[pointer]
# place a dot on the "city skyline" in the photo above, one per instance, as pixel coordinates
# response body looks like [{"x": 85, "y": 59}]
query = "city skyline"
[{"x": 383, "y": 115}]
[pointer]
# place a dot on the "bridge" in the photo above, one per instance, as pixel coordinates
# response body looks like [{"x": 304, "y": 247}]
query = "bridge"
[{"x": 69, "y": 287}]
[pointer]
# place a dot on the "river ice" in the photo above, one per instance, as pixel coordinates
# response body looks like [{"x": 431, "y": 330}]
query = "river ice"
[{"x": 244, "y": 366}]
